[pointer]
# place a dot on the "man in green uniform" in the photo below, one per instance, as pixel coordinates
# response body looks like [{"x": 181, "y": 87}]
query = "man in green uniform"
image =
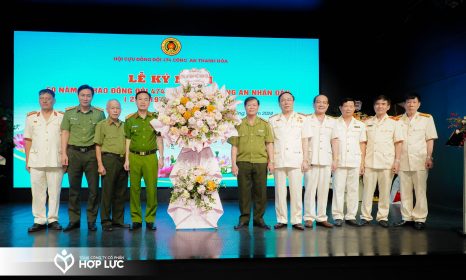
[
  {"x": 251, "y": 156},
  {"x": 78, "y": 153},
  {"x": 110, "y": 152},
  {"x": 141, "y": 160}
]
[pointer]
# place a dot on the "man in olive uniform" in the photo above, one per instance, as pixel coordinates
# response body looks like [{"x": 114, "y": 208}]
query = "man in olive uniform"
[
  {"x": 110, "y": 152},
  {"x": 251, "y": 156},
  {"x": 78, "y": 153},
  {"x": 141, "y": 160}
]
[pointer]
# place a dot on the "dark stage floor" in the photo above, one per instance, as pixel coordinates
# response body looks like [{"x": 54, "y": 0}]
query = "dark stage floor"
[{"x": 318, "y": 246}]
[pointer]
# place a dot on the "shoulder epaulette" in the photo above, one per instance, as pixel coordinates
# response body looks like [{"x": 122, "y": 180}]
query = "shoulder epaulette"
[
  {"x": 304, "y": 115},
  {"x": 70, "y": 108},
  {"x": 98, "y": 108},
  {"x": 61, "y": 112},
  {"x": 32, "y": 113},
  {"x": 333, "y": 117},
  {"x": 262, "y": 119},
  {"x": 129, "y": 116},
  {"x": 273, "y": 116},
  {"x": 396, "y": 118},
  {"x": 425, "y": 115}
]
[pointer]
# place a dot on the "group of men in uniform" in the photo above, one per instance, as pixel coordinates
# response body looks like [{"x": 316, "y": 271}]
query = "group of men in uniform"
[
  {"x": 294, "y": 145},
  {"x": 290, "y": 145},
  {"x": 82, "y": 141}
]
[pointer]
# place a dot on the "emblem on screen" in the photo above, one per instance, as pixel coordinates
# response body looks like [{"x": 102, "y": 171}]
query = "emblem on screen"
[
  {"x": 171, "y": 46},
  {"x": 64, "y": 261}
]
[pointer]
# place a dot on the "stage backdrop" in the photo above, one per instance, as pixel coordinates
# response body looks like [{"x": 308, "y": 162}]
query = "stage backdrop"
[{"x": 117, "y": 65}]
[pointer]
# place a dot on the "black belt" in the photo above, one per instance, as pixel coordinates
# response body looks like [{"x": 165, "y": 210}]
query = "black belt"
[
  {"x": 145, "y": 153},
  {"x": 113, "y": 154},
  {"x": 82, "y": 149}
]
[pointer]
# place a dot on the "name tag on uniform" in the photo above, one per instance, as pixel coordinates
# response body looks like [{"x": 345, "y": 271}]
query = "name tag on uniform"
[
  {"x": 357, "y": 126},
  {"x": 134, "y": 126},
  {"x": 369, "y": 125},
  {"x": 74, "y": 119},
  {"x": 260, "y": 130}
]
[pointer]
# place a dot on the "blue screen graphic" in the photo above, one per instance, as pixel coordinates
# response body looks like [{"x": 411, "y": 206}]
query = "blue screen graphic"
[{"x": 117, "y": 65}]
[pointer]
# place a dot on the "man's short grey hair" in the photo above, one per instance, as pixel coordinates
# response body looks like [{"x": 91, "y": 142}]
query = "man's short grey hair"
[{"x": 111, "y": 100}]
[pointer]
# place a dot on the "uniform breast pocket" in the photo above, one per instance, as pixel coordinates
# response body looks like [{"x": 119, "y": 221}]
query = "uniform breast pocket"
[
  {"x": 74, "y": 121},
  {"x": 260, "y": 134}
]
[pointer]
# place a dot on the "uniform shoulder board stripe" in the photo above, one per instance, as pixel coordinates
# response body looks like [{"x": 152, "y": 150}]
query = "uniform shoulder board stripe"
[
  {"x": 273, "y": 115},
  {"x": 32, "y": 113},
  {"x": 70, "y": 108},
  {"x": 61, "y": 112},
  {"x": 396, "y": 118},
  {"x": 302, "y": 114},
  {"x": 98, "y": 108},
  {"x": 129, "y": 116},
  {"x": 262, "y": 119},
  {"x": 425, "y": 115},
  {"x": 333, "y": 117}
]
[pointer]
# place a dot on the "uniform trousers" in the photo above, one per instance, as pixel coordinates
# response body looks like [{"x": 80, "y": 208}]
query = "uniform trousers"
[
  {"x": 346, "y": 180},
  {"x": 45, "y": 180},
  {"x": 384, "y": 179},
  {"x": 143, "y": 167},
  {"x": 417, "y": 181},
  {"x": 317, "y": 180},
  {"x": 295, "y": 178}
]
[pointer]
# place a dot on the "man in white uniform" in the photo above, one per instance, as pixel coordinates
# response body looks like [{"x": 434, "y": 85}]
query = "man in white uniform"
[
  {"x": 323, "y": 153},
  {"x": 291, "y": 132},
  {"x": 43, "y": 161},
  {"x": 416, "y": 159},
  {"x": 384, "y": 140},
  {"x": 352, "y": 136}
]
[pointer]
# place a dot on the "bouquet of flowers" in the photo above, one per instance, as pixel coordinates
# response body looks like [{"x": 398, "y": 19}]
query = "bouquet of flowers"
[
  {"x": 6, "y": 132},
  {"x": 197, "y": 185},
  {"x": 459, "y": 134},
  {"x": 195, "y": 117}
]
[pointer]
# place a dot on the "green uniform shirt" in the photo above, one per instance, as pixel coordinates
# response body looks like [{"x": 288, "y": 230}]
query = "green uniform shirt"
[
  {"x": 251, "y": 140},
  {"x": 81, "y": 125},
  {"x": 140, "y": 132},
  {"x": 111, "y": 136}
]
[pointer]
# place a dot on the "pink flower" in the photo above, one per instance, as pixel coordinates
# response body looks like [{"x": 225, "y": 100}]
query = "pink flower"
[
  {"x": 165, "y": 172},
  {"x": 19, "y": 141}
]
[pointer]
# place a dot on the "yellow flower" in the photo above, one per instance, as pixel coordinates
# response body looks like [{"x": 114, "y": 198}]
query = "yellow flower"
[
  {"x": 211, "y": 186},
  {"x": 200, "y": 179},
  {"x": 184, "y": 100},
  {"x": 187, "y": 115},
  {"x": 195, "y": 109},
  {"x": 210, "y": 108}
]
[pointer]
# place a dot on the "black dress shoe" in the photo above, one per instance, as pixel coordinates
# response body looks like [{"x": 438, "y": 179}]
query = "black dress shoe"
[
  {"x": 37, "y": 227},
  {"x": 309, "y": 224},
  {"x": 419, "y": 225},
  {"x": 107, "y": 227},
  {"x": 135, "y": 226},
  {"x": 404, "y": 223},
  {"x": 241, "y": 226},
  {"x": 120, "y": 225},
  {"x": 91, "y": 226},
  {"x": 151, "y": 226},
  {"x": 55, "y": 226},
  {"x": 279, "y": 226},
  {"x": 71, "y": 226},
  {"x": 338, "y": 222},
  {"x": 261, "y": 225},
  {"x": 352, "y": 223},
  {"x": 324, "y": 224},
  {"x": 384, "y": 223},
  {"x": 298, "y": 226},
  {"x": 364, "y": 222}
]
